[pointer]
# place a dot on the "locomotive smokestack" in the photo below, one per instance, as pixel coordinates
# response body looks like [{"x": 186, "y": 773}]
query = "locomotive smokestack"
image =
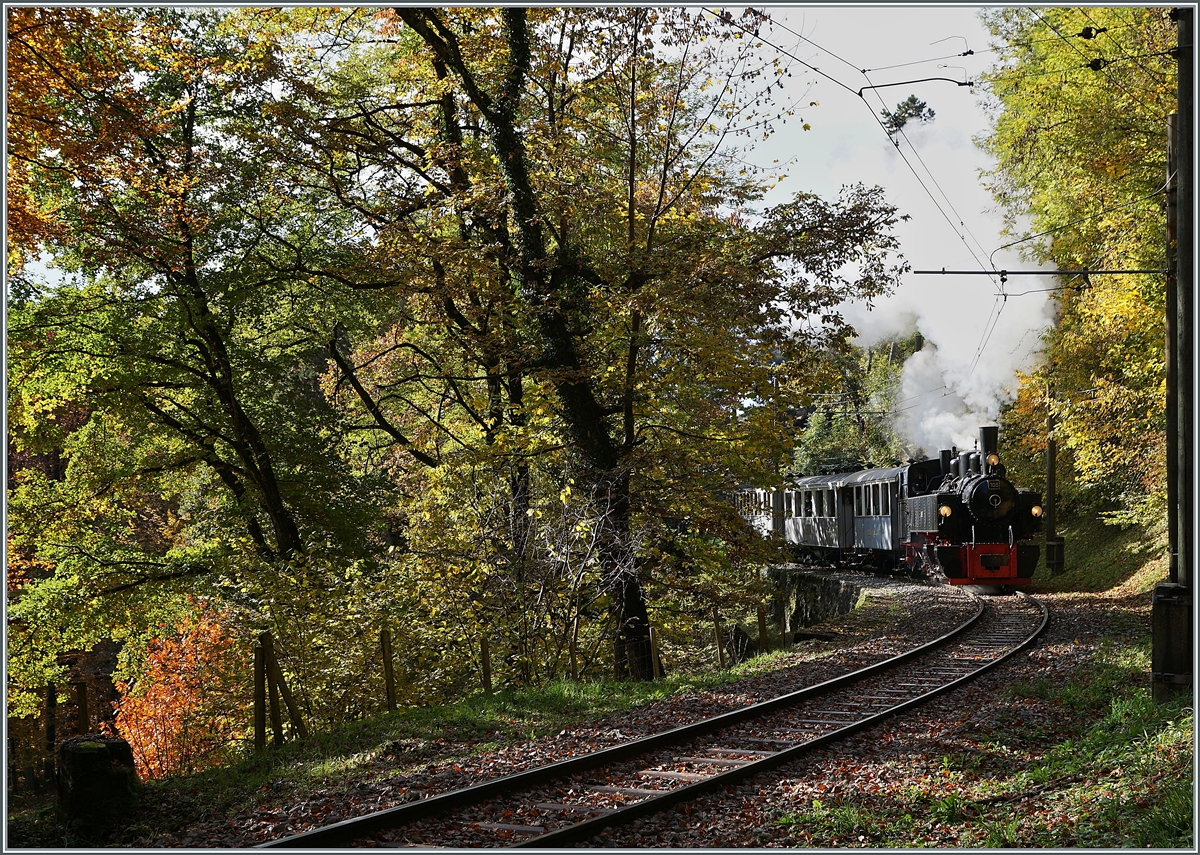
[{"x": 989, "y": 440}]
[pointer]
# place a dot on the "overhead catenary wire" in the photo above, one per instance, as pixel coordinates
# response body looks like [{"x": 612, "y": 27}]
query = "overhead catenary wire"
[
  {"x": 859, "y": 93},
  {"x": 874, "y": 87},
  {"x": 1091, "y": 59},
  {"x": 997, "y": 306}
]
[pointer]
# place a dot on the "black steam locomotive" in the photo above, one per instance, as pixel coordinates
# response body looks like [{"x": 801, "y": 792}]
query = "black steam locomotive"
[{"x": 956, "y": 517}]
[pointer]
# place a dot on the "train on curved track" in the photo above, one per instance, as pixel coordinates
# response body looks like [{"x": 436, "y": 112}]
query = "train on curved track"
[{"x": 956, "y": 517}]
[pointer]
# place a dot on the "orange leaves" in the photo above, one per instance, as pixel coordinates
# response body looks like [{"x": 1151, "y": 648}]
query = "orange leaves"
[{"x": 191, "y": 703}]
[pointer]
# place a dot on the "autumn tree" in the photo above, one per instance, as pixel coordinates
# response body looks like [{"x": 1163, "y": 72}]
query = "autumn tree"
[
  {"x": 189, "y": 708},
  {"x": 368, "y": 307},
  {"x": 851, "y": 421},
  {"x": 554, "y": 200},
  {"x": 911, "y": 109},
  {"x": 1079, "y": 102},
  {"x": 208, "y": 450}
]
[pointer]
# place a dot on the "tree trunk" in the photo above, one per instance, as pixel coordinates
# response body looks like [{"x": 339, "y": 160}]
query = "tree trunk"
[
  {"x": 544, "y": 277},
  {"x": 618, "y": 562}
]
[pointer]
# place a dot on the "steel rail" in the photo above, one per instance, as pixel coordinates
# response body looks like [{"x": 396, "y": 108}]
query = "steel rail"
[
  {"x": 590, "y": 827},
  {"x": 339, "y": 833}
]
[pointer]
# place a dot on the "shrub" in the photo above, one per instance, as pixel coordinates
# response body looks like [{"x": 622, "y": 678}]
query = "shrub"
[{"x": 192, "y": 703}]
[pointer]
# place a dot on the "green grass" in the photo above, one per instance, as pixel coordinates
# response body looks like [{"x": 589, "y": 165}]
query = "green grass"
[
  {"x": 378, "y": 747},
  {"x": 1082, "y": 760},
  {"x": 1101, "y": 557}
]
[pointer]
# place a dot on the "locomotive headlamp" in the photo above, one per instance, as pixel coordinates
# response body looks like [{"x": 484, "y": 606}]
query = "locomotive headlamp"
[
  {"x": 944, "y": 510},
  {"x": 1036, "y": 510},
  {"x": 993, "y": 459}
]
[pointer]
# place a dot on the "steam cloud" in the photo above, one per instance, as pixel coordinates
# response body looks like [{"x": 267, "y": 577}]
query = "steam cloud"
[
  {"x": 946, "y": 391},
  {"x": 966, "y": 370}
]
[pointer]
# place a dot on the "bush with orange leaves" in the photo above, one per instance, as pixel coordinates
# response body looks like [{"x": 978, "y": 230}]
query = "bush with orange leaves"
[{"x": 191, "y": 707}]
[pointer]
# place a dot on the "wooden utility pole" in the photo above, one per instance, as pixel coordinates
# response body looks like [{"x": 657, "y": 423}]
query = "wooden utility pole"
[
  {"x": 1185, "y": 275},
  {"x": 389, "y": 675},
  {"x": 1171, "y": 659},
  {"x": 1171, "y": 328},
  {"x": 1054, "y": 544}
]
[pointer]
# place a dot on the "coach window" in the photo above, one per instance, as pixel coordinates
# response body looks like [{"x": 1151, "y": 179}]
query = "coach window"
[
  {"x": 887, "y": 501},
  {"x": 819, "y": 503}
]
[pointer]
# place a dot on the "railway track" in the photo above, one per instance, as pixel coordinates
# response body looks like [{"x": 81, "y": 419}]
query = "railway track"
[{"x": 567, "y": 802}]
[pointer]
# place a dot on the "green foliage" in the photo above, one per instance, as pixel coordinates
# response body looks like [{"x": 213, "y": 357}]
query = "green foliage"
[
  {"x": 433, "y": 320},
  {"x": 851, "y": 420},
  {"x": 1102, "y": 557},
  {"x": 1082, "y": 153},
  {"x": 911, "y": 109}
]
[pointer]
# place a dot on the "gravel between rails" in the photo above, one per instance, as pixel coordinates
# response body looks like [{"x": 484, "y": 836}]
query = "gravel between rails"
[
  {"x": 899, "y": 616},
  {"x": 903, "y": 754}
]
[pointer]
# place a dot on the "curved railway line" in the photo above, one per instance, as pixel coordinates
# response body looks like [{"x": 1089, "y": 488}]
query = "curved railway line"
[{"x": 567, "y": 802}]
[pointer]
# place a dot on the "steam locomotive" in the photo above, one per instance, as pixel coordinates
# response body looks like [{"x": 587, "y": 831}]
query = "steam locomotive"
[{"x": 956, "y": 517}]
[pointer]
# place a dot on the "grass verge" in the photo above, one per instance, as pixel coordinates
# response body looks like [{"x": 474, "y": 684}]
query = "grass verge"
[
  {"x": 1091, "y": 762},
  {"x": 1087, "y": 759},
  {"x": 379, "y": 747}
]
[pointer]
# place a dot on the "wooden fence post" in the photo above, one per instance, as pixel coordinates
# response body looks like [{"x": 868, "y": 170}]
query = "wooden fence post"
[
  {"x": 83, "y": 722},
  {"x": 717, "y": 632},
  {"x": 485, "y": 656},
  {"x": 13, "y": 774},
  {"x": 51, "y": 736},
  {"x": 763, "y": 641},
  {"x": 654, "y": 654},
  {"x": 575, "y": 648},
  {"x": 275, "y": 678},
  {"x": 268, "y": 649},
  {"x": 389, "y": 676},
  {"x": 260, "y": 698}
]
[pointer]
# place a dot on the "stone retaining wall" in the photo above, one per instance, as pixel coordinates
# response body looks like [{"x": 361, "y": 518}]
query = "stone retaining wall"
[{"x": 819, "y": 596}]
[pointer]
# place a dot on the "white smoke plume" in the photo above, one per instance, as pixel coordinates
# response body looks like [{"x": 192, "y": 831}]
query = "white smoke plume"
[
  {"x": 974, "y": 340},
  {"x": 978, "y": 330}
]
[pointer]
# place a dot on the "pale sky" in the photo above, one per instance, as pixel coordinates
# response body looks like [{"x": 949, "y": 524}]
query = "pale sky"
[{"x": 958, "y": 231}]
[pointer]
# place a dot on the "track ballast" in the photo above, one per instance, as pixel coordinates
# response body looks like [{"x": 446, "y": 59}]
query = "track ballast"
[{"x": 568, "y": 802}]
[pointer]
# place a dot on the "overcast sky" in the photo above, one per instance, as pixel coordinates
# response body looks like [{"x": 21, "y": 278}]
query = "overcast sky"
[{"x": 946, "y": 398}]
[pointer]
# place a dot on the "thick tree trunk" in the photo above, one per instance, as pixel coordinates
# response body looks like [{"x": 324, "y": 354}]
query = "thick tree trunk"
[
  {"x": 542, "y": 275},
  {"x": 618, "y": 560}
]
